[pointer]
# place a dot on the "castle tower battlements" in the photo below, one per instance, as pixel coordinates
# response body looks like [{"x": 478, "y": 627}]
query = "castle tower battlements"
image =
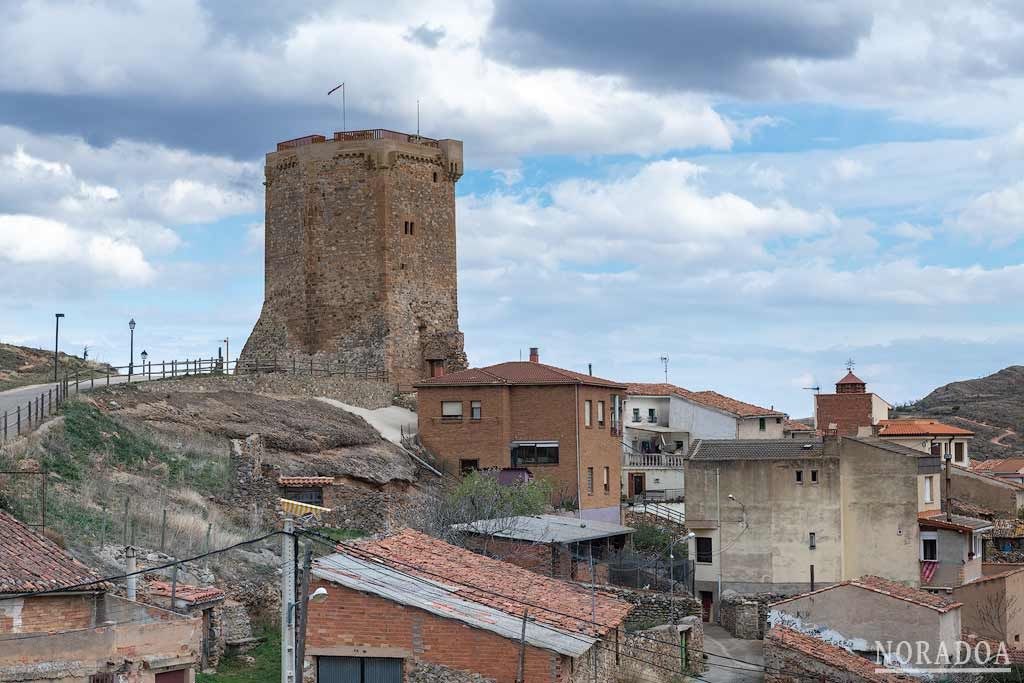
[{"x": 360, "y": 267}]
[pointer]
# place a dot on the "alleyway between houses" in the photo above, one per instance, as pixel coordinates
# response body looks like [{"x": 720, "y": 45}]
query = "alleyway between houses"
[{"x": 718, "y": 641}]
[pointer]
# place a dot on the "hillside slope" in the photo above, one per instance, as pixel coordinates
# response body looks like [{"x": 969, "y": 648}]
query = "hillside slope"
[
  {"x": 22, "y": 365},
  {"x": 992, "y": 407}
]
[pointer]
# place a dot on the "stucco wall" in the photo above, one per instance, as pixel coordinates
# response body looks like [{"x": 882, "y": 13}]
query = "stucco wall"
[
  {"x": 770, "y": 543},
  {"x": 1000, "y": 497},
  {"x": 864, "y": 615},
  {"x": 700, "y": 421},
  {"x": 994, "y": 607},
  {"x": 880, "y": 532},
  {"x": 750, "y": 428}
]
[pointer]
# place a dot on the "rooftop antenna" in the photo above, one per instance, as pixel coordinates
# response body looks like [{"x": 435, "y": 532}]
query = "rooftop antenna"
[
  {"x": 816, "y": 389},
  {"x": 417, "y": 117},
  {"x": 341, "y": 86},
  {"x": 664, "y": 363}
]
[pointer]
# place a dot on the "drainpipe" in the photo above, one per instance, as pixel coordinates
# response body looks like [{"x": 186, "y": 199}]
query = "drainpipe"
[
  {"x": 579, "y": 464},
  {"x": 721, "y": 555},
  {"x": 949, "y": 501}
]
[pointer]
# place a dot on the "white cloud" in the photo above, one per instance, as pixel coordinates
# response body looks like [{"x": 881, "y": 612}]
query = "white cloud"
[
  {"x": 190, "y": 201},
  {"x": 995, "y": 217},
  {"x": 766, "y": 177},
  {"x": 845, "y": 169},
  {"x": 255, "y": 234},
  {"x": 41, "y": 241}
]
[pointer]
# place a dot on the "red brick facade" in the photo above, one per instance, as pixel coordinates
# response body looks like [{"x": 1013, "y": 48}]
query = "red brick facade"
[
  {"x": 350, "y": 623},
  {"x": 848, "y": 411},
  {"x": 529, "y": 413},
  {"x": 44, "y": 614}
]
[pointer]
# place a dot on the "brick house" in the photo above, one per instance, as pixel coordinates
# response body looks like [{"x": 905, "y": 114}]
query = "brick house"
[
  {"x": 411, "y": 607},
  {"x": 205, "y": 602},
  {"x": 852, "y": 410},
  {"x": 80, "y": 631},
  {"x": 557, "y": 423}
]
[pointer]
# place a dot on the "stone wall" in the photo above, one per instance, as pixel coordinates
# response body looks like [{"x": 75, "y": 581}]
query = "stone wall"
[
  {"x": 746, "y": 616},
  {"x": 419, "y": 671},
  {"x": 360, "y": 256},
  {"x": 653, "y": 608}
]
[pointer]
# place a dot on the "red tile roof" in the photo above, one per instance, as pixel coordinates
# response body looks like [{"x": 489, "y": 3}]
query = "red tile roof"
[
  {"x": 185, "y": 592},
  {"x": 832, "y": 655},
  {"x": 899, "y": 591},
  {"x": 794, "y": 426},
  {"x": 304, "y": 481},
  {"x": 31, "y": 562},
  {"x": 731, "y": 405},
  {"x": 975, "y": 473},
  {"x": 487, "y": 580},
  {"x": 919, "y": 427},
  {"x": 851, "y": 378},
  {"x": 660, "y": 389},
  {"x": 1004, "y": 465},
  {"x": 516, "y": 372},
  {"x": 711, "y": 399},
  {"x": 966, "y": 507}
]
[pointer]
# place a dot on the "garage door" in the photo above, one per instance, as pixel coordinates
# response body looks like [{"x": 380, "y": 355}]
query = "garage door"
[
  {"x": 171, "y": 676},
  {"x": 359, "y": 670}
]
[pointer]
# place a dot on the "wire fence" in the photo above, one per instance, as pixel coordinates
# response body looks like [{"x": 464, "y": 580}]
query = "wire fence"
[{"x": 32, "y": 409}]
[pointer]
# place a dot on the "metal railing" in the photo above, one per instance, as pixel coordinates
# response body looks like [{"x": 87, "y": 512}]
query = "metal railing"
[
  {"x": 25, "y": 417},
  {"x": 644, "y": 504}
]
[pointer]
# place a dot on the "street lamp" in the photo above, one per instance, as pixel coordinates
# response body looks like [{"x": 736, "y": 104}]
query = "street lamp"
[
  {"x": 227, "y": 356},
  {"x": 56, "y": 344},
  {"x": 131, "y": 350},
  {"x": 144, "y": 356}
]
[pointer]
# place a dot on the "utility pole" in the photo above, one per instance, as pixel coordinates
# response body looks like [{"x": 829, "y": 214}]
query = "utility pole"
[
  {"x": 227, "y": 356},
  {"x": 593, "y": 606},
  {"x": 56, "y": 344},
  {"x": 302, "y": 612},
  {"x": 521, "y": 673},
  {"x": 288, "y": 601},
  {"x": 948, "y": 496}
]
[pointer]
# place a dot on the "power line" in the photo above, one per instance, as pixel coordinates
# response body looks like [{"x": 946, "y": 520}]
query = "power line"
[
  {"x": 319, "y": 538},
  {"x": 111, "y": 579}
]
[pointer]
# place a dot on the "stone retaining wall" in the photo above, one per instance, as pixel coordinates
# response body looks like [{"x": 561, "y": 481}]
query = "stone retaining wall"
[
  {"x": 653, "y": 608},
  {"x": 746, "y": 616},
  {"x": 364, "y": 393}
]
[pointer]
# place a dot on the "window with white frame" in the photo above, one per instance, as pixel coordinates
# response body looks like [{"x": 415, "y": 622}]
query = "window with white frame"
[
  {"x": 586, "y": 413},
  {"x": 929, "y": 491},
  {"x": 600, "y": 413},
  {"x": 636, "y": 414},
  {"x": 474, "y": 410}
]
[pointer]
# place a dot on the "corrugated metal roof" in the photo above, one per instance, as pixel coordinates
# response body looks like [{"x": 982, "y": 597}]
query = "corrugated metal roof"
[
  {"x": 441, "y": 599},
  {"x": 545, "y": 528}
]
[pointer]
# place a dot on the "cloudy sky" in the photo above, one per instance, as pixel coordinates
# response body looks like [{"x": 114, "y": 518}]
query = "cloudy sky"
[{"x": 758, "y": 190}]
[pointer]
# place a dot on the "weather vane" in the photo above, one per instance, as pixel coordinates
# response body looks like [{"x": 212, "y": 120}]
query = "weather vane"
[{"x": 849, "y": 364}]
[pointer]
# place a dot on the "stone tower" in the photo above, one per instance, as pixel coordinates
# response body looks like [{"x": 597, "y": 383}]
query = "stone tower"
[{"x": 360, "y": 255}]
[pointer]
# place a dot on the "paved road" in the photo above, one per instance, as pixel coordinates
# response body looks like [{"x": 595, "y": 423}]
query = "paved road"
[
  {"x": 12, "y": 398},
  {"x": 718, "y": 641}
]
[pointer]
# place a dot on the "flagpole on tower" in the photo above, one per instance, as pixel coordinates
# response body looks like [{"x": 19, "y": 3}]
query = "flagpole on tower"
[{"x": 341, "y": 86}]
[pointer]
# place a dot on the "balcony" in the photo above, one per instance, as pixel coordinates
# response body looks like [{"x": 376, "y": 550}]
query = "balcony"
[{"x": 652, "y": 460}]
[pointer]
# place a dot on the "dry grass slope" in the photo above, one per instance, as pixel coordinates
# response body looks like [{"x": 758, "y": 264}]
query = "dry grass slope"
[
  {"x": 22, "y": 366},
  {"x": 992, "y": 407}
]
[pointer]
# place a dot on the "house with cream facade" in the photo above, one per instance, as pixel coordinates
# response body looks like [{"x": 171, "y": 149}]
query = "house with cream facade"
[
  {"x": 790, "y": 516},
  {"x": 929, "y": 436},
  {"x": 660, "y": 421}
]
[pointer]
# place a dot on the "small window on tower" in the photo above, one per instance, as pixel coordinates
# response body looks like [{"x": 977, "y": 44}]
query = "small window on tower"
[
  {"x": 412, "y": 227},
  {"x": 435, "y": 176}
]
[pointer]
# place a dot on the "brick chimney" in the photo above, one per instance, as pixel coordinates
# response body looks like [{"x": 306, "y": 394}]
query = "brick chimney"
[{"x": 534, "y": 354}]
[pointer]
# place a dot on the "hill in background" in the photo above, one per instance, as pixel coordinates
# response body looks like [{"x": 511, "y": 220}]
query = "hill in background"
[
  {"x": 21, "y": 366},
  {"x": 992, "y": 407}
]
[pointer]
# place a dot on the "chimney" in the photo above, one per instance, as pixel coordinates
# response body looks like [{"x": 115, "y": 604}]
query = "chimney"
[
  {"x": 534, "y": 354},
  {"x": 590, "y": 369}
]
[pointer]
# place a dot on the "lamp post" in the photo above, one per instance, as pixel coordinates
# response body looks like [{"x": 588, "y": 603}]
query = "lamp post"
[
  {"x": 131, "y": 350},
  {"x": 56, "y": 343},
  {"x": 143, "y": 356},
  {"x": 227, "y": 356},
  {"x": 672, "y": 570}
]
